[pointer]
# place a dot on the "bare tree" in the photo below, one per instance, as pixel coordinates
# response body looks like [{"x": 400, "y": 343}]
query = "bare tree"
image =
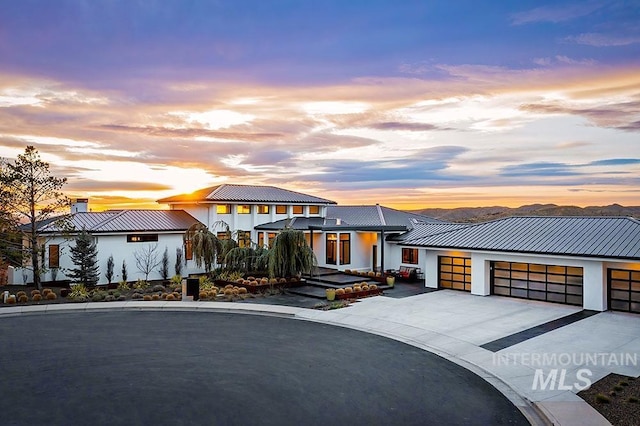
[{"x": 147, "y": 259}]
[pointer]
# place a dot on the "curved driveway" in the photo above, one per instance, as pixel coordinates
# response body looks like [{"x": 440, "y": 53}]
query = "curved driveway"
[{"x": 188, "y": 368}]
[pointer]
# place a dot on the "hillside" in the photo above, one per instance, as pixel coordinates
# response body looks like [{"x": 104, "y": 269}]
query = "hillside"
[{"x": 481, "y": 214}]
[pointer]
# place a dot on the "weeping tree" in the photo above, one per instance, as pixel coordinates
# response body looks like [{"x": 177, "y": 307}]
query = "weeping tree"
[
  {"x": 290, "y": 255},
  {"x": 247, "y": 259},
  {"x": 205, "y": 246}
]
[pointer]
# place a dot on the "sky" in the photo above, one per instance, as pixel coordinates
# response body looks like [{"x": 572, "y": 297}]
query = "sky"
[{"x": 410, "y": 104}]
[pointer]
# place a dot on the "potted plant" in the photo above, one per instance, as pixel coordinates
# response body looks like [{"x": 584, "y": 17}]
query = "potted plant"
[
  {"x": 391, "y": 280},
  {"x": 331, "y": 294}
]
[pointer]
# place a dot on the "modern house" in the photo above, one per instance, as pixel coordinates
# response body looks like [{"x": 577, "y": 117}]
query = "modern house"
[
  {"x": 593, "y": 262},
  {"x": 123, "y": 234}
]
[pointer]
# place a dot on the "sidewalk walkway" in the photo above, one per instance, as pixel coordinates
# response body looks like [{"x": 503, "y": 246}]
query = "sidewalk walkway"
[{"x": 455, "y": 325}]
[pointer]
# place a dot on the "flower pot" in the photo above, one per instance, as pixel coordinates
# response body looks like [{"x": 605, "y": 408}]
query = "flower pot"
[
  {"x": 391, "y": 280},
  {"x": 331, "y": 294}
]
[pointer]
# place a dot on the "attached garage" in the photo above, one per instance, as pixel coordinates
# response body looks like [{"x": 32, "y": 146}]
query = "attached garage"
[
  {"x": 549, "y": 283},
  {"x": 624, "y": 290},
  {"x": 454, "y": 273}
]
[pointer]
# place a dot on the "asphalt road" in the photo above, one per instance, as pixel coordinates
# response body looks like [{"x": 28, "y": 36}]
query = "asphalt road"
[{"x": 195, "y": 368}]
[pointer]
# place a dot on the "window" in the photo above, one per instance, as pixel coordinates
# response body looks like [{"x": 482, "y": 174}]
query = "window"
[
  {"x": 281, "y": 209},
  {"x": 142, "y": 238},
  {"x": 223, "y": 209},
  {"x": 54, "y": 256},
  {"x": 332, "y": 240},
  {"x": 345, "y": 249},
  {"x": 222, "y": 235},
  {"x": 188, "y": 250},
  {"x": 244, "y": 238},
  {"x": 271, "y": 236},
  {"x": 298, "y": 209},
  {"x": 263, "y": 209},
  {"x": 244, "y": 209},
  {"x": 410, "y": 256},
  {"x": 314, "y": 209}
]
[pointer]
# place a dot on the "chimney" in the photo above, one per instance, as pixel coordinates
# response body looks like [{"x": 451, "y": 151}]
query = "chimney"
[{"x": 80, "y": 205}]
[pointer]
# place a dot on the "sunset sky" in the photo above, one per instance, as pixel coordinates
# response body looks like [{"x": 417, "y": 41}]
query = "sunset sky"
[{"x": 410, "y": 104}]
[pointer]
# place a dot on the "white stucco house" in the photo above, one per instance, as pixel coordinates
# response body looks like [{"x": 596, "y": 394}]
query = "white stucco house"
[{"x": 593, "y": 262}]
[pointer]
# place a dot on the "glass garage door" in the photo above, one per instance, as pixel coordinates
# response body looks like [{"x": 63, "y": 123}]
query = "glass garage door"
[
  {"x": 455, "y": 273},
  {"x": 550, "y": 283},
  {"x": 624, "y": 290}
]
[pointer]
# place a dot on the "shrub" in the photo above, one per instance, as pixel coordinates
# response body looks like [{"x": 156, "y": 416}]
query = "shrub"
[
  {"x": 235, "y": 292},
  {"x": 155, "y": 297},
  {"x": 98, "y": 296},
  {"x": 11, "y": 300},
  {"x": 205, "y": 283},
  {"x": 204, "y": 294},
  {"x": 372, "y": 274},
  {"x": 373, "y": 287},
  {"x": 176, "y": 296},
  {"x": 170, "y": 296},
  {"x": 239, "y": 280},
  {"x": 282, "y": 280},
  {"x": 46, "y": 291},
  {"x": 228, "y": 291},
  {"x": 163, "y": 296},
  {"x": 158, "y": 288},
  {"x": 141, "y": 284},
  {"x": 213, "y": 293},
  {"x": 632, "y": 399},
  {"x": 34, "y": 292},
  {"x": 79, "y": 291},
  {"x": 123, "y": 286},
  {"x": 20, "y": 294},
  {"x": 623, "y": 383},
  {"x": 23, "y": 298},
  {"x": 37, "y": 297},
  {"x": 617, "y": 388},
  {"x": 109, "y": 298},
  {"x": 146, "y": 297},
  {"x": 357, "y": 288},
  {"x": 116, "y": 294},
  {"x": 176, "y": 280},
  {"x": 136, "y": 296},
  {"x": 339, "y": 291},
  {"x": 264, "y": 281},
  {"x": 51, "y": 296},
  {"x": 348, "y": 290},
  {"x": 603, "y": 399},
  {"x": 242, "y": 290},
  {"x": 273, "y": 281},
  {"x": 121, "y": 298},
  {"x": 365, "y": 287}
]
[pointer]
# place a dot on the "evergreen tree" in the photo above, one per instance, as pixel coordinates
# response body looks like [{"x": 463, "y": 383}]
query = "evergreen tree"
[
  {"x": 124, "y": 271},
  {"x": 84, "y": 256},
  {"x": 178, "y": 265},
  {"x": 109, "y": 273},
  {"x": 164, "y": 265}
]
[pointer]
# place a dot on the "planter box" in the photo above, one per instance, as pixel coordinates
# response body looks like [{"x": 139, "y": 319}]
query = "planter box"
[
  {"x": 359, "y": 294},
  {"x": 259, "y": 288}
]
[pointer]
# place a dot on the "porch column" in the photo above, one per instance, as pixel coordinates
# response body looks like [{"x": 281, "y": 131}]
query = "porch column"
[
  {"x": 311, "y": 239},
  {"x": 382, "y": 251}
]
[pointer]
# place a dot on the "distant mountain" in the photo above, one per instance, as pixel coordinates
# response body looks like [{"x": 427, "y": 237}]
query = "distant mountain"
[{"x": 482, "y": 214}]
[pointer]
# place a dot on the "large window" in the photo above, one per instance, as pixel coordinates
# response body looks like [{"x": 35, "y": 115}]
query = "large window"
[
  {"x": 54, "y": 256},
  {"x": 244, "y": 238},
  {"x": 314, "y": 209},
  {"x": 142, "y": 238},
  {"x": 410, "y": 256},
  {"x": 188, "y": 250},
  {"x": 345, "y": 249},
  {"x": 298, "y": 209},
  {"x": 270, "y": 237},
  {"x": 332, "y": 247},
  {"x": 244, "y": 209},
  {"x": 263, "y": 209},
  {"x": 223, "y": 209},
  {"x": 281, "y": 209}
]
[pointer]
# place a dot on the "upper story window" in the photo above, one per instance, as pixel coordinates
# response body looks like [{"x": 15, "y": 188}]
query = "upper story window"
[
  {"x": 244, "y": 209},
  {"x": 298, "y": 209},
  {"x": 263, "y": 209},
  {"x": 142, "y": 238},
  {"x": 281, "y": 209},
  {"x": 314, "y": 209},
  {"x": 223, "y": 209}
]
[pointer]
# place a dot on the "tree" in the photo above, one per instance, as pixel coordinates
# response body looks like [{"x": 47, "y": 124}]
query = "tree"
[
  {"x": 147, "y": 259},
  {"x": 124, "y": 271},
  {"x": 84, "y": 256},
  {"x": 179, "y": 260},
  {"x": 205, "y": 245},
  {"x": 109, "y": 273},
  {"x": 28, "y": 193},
  {"x": 290, "y": 255},
  {"x": 164, "y": 265}
]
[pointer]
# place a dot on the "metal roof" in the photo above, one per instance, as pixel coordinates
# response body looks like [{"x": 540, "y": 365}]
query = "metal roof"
[
  {"x": 300, "y": 223},
  {"x": 421, "y": 230},
  {"x": 246, "y": 193},
  {"x": 128, "y": 221},
  {"x": 613, "y": 237}
]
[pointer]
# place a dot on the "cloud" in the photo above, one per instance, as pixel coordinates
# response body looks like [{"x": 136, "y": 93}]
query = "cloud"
[
  {"x": 602, "y": 40},
  {"x": 615, "y": 162},
  {"x": 555, "y": 14},
  {"x": 81, "y": 185},
  {"x": 538, "y": 169},
  {"x": 412, "y": 127}
]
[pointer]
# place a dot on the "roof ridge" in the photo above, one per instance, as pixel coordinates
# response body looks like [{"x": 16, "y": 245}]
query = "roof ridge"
[
  {"x": 109, "y": 219},
  {"x": 381, "y": 214}
]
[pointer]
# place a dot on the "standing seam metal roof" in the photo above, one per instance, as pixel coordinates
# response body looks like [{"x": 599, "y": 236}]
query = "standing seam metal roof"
[
  {"x": 129, "y": 221},
  {"x": 617, "y": 237},
  {"x": 246, "y": 193}
]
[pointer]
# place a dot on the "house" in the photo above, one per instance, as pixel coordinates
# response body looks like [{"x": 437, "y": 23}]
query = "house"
[
  {"x": 593, "y": 262},
  {"x": 123, "y": 234}
]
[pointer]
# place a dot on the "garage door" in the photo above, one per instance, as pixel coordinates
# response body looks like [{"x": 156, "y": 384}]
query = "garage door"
[
  {"x": 550, "y": 283},
  {"x": 624, "y": 290},
  {"x": 454, "y": 273}
]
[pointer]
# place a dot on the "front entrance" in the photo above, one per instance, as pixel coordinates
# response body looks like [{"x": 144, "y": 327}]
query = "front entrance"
[
  {"x": 624, "y": 290},
  {"x": 550, "y": 283},
  {"x": 454, "y": 273}
]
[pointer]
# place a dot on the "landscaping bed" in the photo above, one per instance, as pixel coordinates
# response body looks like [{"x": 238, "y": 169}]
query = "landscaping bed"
[{"x": 617, "y": 398}]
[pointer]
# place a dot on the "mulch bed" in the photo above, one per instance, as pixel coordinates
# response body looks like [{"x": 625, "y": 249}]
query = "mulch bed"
[{"x": 619, "y": 410}]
